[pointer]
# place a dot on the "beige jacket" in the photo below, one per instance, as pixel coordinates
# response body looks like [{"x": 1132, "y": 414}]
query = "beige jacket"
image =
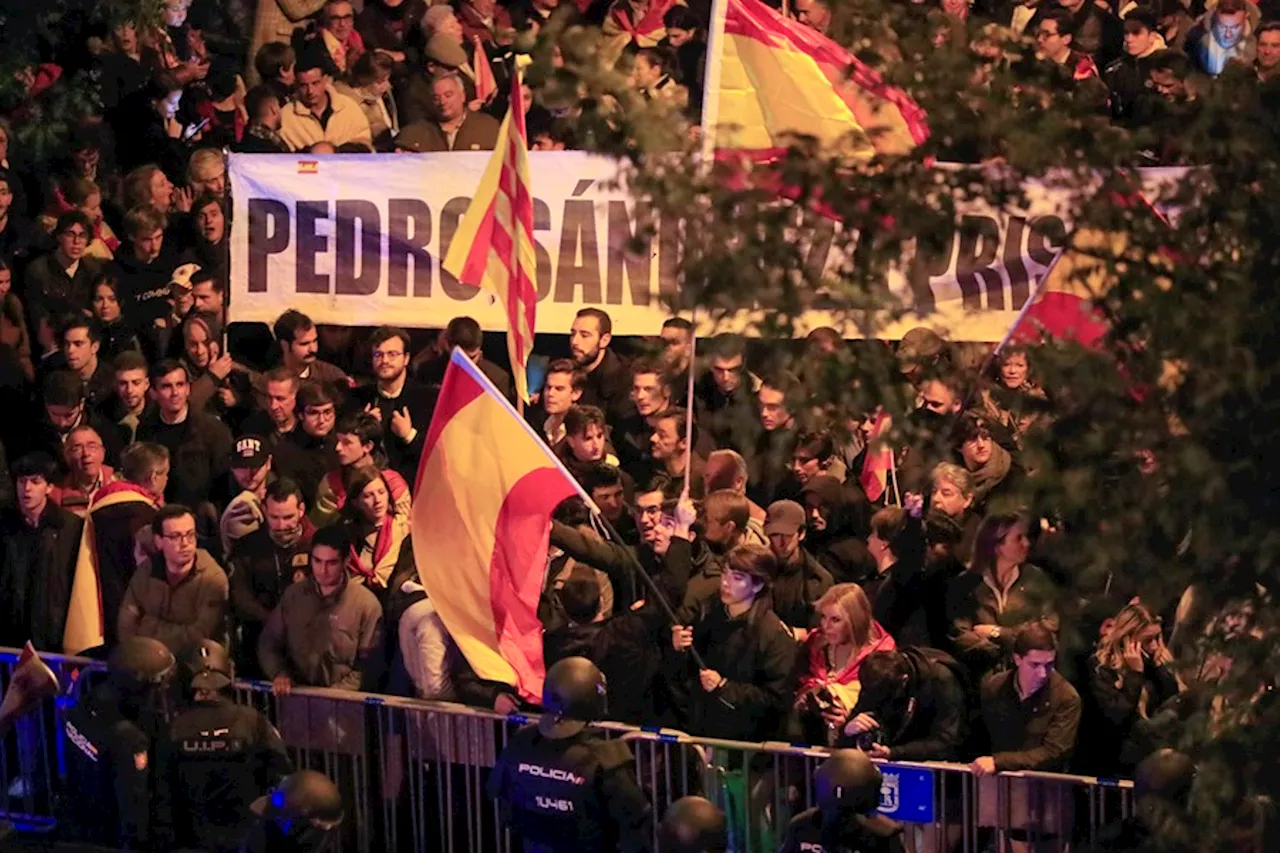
[
  {"x": 300, "y": 129},
  {"x": 332, "y": 641}
]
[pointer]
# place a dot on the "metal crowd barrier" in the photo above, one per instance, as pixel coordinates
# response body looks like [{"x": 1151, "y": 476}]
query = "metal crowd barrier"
[{"x": 413, "y": 775}]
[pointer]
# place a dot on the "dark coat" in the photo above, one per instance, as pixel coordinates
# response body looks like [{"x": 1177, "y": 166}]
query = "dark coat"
[
  {"x": 50, "y": 292},
  {"x": 756, "y": 655},
  {"x": 970, "y": 602},
  {"x": 420, "y": 400},
  {"x": 929, "y": 721},
  {"x": 115, "y": 529},
  {"x": 37, "y": 566},
  {"x": 199, "y": 455},
  {"x": 729, "y": 418},
  {"x": 796, "y": 588},
  {"x": 608, "y": 388},
  {"x": 1111, "y": 713},
  {"x": 1036, "y": 734},
  {"x": 478, "y": 132}
]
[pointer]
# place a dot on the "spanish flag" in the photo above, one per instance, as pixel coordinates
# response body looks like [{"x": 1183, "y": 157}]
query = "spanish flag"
[
  {"x": 481, "y": 522},
  {"x": 493, "y": 246},
  {"x": 877, "y": 464},
  {"x": 778, "y": 77}
]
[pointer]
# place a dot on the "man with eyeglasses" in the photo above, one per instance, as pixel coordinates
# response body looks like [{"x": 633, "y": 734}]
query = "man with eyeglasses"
[
  {"x": 179, "y": 597},
  {"x": 307, "y": 452},
  {"x": 61, "y": 282},
  {"x": 87, "y": 471},
  {"x": 402, "y": 405}
]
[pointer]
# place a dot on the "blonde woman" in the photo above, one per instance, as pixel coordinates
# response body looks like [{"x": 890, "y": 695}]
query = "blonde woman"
[
  {"x": 1130, "y": 676},
  {"x": 831, "y": 659}
]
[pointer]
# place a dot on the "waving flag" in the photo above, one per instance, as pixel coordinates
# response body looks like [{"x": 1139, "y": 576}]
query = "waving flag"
[
  {"x": 493, "y": 246},
  {"x": 486, "y": 85},
  {"x": 770, "y": 76},
  {"x": 487, "y": 486},
  {"x": 878, "y": 461}
]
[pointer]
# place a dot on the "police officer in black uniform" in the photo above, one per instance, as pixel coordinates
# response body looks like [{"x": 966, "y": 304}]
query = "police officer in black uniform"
[
  {"x": 847, "y": 786},
  {"x": 303, "y": 814},
  {"x": 218, "y": 758},
  {"x": 109, "y": 736},
  {"x": 693, "y": 825},
  {"x": 561, "y": 788}
]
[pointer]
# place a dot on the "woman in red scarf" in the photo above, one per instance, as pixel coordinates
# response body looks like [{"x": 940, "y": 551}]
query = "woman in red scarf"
[
  {"x": 831, "y": 659},
  {"x": 377, "y": 528}
]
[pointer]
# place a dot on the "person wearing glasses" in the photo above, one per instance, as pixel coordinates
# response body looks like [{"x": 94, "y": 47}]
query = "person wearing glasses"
[
  {"x": 179, "y": 596},
  {"x": 401, "y": 404},
  {"x": 61, "y": 282}
]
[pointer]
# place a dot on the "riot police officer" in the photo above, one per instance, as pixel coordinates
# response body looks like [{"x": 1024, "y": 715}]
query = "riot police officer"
[
  {"x": 217, "y": 759},
  {"x": 109, "y": 737},
  {"x": 303, "y": 814},
  {"x": 693, "y": 825},
  {"x": 561, "y": 788},
  {"x": 847, "y": 786}
]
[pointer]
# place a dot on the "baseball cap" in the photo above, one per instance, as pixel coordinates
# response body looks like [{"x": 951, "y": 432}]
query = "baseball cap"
[
  {"x": 181, "y": 276},
  {"x": 784, "y": 517},
  {"x": 250, "y": 451},
  {"x": 920, "y": 344}
]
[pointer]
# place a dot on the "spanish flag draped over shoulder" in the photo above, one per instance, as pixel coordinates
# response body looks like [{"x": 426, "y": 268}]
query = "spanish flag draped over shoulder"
[
  {"x": 493, "y": 246},
  {"x": 878, "y": 461},
  {"x": 85, "y": 628},
  {"x": 778, "y": 76},
  {"x": 481, "y": 522}
]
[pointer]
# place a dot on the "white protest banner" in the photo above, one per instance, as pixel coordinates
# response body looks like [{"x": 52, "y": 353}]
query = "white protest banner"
[{"x": 357, "y": 240}]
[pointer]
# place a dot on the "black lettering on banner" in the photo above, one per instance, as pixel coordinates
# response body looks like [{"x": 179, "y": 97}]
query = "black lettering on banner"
[
  {"x": 1013, "y": 263},
  {"x": 449, "y": 218},
  {"x": 578, "y": 231},
  {"x": 542, "y": 222},
  {"x": 268, "y": 235},
  {"x": 669, "y": 242},
  {"x": 629, "y": 254},
  {"x": 932, "y": 259},
  {"x": 359, "y": 240},
  {"x": 975, "y": 263},
  {"x": 408, "y": 235},
  {"x": 311, "y": 244},
  {"x": 1048, "y": 237}
]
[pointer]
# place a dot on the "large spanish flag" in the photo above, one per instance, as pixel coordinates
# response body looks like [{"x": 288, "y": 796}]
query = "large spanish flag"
[
  {"x": 481, "y": 522},
  {"x": 493, "y": 246},
  {"x": 779, "y": 77}
]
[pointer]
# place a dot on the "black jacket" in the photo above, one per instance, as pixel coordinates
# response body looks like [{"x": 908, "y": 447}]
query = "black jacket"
[
  {"x": 671, "y": 573},
  {"x": 50, "y": 292},
  {"x": 796, "y": 588},
  {"x": 756, "y": 656},
  {"x": 199, "y": 455},
  {"x": 928, "y": 721},
  {"x": 608, "y": 388},
  {"x": 420, "y": 400},
  {"x": 260, "y": 573},
  {"x": 1110, "y": 713},
  {"x": 37, "y": 566},
  {"x": 729, "y": 418},
  {"x": 144, "y": 291},
  {"x": 863, "y": 834}
]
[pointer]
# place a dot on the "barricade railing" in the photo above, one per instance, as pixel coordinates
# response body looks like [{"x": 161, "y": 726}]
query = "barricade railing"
[{"x": 413, "y": 775}]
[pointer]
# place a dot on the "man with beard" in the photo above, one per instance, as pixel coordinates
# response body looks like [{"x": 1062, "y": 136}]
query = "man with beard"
[
  {"x": 951, "y": 494},
  {"x": 677, "y": 357},
  {"x": 132, "y": 385},
  {"x": 725, "y": 395},
  {"x": 265, "y": 563},
  {"x": 800, "y": 580},
  {"x": 402, "y": 405},
  {"x": 608, "y": 383},
  {"x": 837, "y": 527}
]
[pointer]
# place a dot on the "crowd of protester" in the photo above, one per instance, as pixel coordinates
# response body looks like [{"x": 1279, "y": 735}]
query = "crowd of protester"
[{"x": 267, "y": 474}]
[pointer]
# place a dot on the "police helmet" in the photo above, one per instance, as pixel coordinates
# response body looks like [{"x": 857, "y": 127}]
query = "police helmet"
[
  {"x": 693, "y": 825},
  {"x": 572, "y": 696},
  {"x": 207, "y": 666},
  {"x": 305, "y": 795},
  {"x": 1167, "y": 774},
  {"x": 848, "y": 782},
  {"x": 139, "y": 664}
]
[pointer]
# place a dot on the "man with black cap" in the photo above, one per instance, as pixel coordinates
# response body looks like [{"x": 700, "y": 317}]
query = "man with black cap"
[
  {"x": 109, "y": 736},
  {"x": 303, "y": 814},
  {"x": 693, "y": 825},
  {"x": 250, "y": 469},
  {"x": 218, "y": 758},
  {"x": 561, "y": 788},
  {"x": 847, "y": 786},
  {"x": 801, "y": 579}
]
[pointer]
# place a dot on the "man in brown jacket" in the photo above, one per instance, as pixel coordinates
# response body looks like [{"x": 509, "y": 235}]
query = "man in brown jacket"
[
  {"x": 454, "y": 127},
  {"x": 326, "y": 631},
  {"x": 179, "y": 597}
]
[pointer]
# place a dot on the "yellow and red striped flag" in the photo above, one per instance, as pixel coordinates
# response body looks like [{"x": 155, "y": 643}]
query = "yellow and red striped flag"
[
  {"x": 487, "y": 486},
  {"x": 774, "y": 76},
  {"x": 486, "y": 84},
  {"x": 878, "y": 461},
  {"x": 493, "y": 246}
]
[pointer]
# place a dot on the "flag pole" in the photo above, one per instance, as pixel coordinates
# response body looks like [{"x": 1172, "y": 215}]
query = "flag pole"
[
  {"x": 688, "y": 409},
  {"x": 711, "y": 80}
]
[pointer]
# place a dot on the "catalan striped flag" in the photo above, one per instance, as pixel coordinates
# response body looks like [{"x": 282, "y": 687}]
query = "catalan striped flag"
[
  {"x": 487, "y": 486},
  {"x": 493, "y": 246},
  {"x": 878, "y": 461},
  {"x": 771, "y": 76}
]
